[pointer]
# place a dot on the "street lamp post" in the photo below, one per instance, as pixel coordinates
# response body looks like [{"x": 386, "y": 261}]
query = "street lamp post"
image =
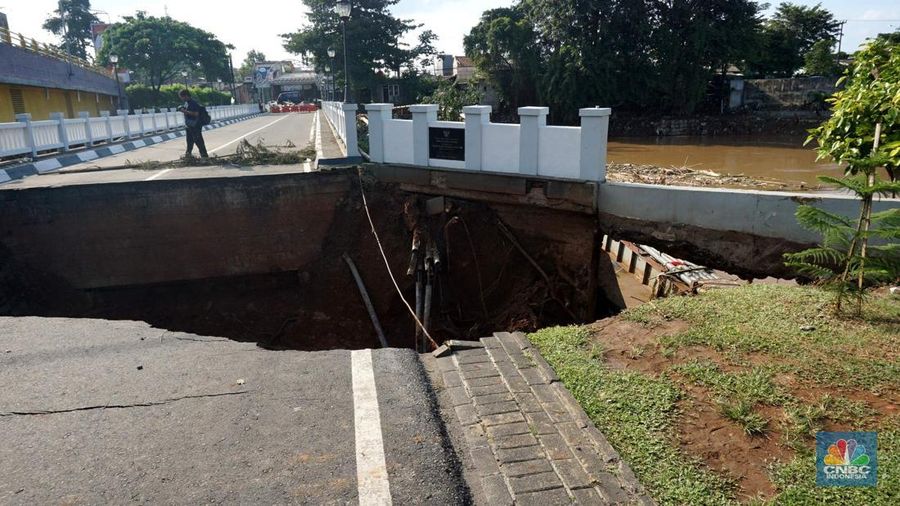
[
  {"x": 343, "y": 9},
  {"x": 329, "y": 94},
  {"x": 184, "y": 75},
  {"x": 331, "y": 53},
  {"x": 114, "y": 59}
]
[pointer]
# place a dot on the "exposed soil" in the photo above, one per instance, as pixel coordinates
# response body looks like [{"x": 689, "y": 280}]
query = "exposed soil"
[
  {"x": 483, "y": 283},
  {"x": 702, "y": 431}
]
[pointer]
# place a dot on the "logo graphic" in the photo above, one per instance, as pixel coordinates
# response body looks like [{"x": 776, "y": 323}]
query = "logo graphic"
[{"x": 846, "y": 459}]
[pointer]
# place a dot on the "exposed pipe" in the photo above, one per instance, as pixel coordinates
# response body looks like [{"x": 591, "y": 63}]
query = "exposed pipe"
[{"x": 366, "y": 300}]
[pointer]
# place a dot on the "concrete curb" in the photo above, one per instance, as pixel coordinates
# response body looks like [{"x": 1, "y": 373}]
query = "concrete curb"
[{"x": 53, "y": 164}]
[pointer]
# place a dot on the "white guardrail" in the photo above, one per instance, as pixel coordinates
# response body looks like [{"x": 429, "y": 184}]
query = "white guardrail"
[
  {"x": 27, "y": 137},
  {"x": 343, "y": 119},
  {"x": 529, "y": 148}
]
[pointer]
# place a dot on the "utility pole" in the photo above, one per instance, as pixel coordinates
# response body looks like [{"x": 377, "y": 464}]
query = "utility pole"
[
  {"x": 231, "y": 68},
  {"x": 840, "y": 40}
]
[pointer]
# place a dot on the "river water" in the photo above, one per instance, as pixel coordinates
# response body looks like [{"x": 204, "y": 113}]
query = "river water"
[{"x": 782, "y": 159}]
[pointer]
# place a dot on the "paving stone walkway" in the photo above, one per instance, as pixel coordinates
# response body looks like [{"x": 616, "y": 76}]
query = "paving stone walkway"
[{"x": 529, "y": 440}]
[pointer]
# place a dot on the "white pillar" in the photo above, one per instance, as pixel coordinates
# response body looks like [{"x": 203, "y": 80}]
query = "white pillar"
[
  {"x": 107, "y": 122},
  {"x": 594, "y": 133},
  {"x": 350, "y": 130},
  {"x": 61, "y": 125},
  {"x": 422, "y": 114},
  {"x": 127, "y": 127},
  {"x": 88, "y": 134},
  {"x": 531, "y": 120},
  {"x": 29, "y": 132},
  {"x": 379, "y": 114},
  {"x": 476, "y": 117}
]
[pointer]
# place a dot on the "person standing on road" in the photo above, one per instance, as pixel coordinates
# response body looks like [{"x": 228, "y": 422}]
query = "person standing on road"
[{"x": 194, "y": 135}]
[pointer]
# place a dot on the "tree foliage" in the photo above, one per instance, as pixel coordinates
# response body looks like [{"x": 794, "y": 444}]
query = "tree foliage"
[
  {"x": 72, "y": 21},
  {"x": 141, "y": 96},
  {"x": 862, "y": 133},
  {"x": 820, "y": 61},
  {"x": 788, "y": 36},
  {"x": 451, "y": 99},
  {"x": 159, "y": 49},
  {"x": 246, "y": 69},
  {"x": 504, "y": 47},
  {"x": 629, "y": 54},
  {"x": 373, "y": 42}
]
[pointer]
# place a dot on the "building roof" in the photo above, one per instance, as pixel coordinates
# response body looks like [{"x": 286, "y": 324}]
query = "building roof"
[{"x": 301, "y": 77}]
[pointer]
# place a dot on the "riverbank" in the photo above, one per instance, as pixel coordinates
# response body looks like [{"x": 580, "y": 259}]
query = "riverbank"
[
  {"x": 686, "y": 176},
  {"x": 716, "y": 398},
  {"x": 780, "y": 123}
]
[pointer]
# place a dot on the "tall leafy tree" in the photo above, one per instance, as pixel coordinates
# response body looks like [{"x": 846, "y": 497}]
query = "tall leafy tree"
[
  {"x": 504, "y": 47},
  {"x": 159, "y": 49},
  {"x": 820, "y": 61},
  {"x": 253, "y": 57},
  {"x": 789, "y": 35},
  {"x": 72, "y": 21},
  {"x": 373, "y": 41}
]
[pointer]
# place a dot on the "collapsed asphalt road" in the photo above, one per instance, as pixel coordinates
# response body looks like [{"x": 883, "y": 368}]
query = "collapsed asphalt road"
[{"x": 95, "y": 411}]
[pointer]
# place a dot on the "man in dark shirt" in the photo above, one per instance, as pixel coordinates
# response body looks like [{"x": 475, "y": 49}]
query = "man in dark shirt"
[{"x": 191, "y": 110}]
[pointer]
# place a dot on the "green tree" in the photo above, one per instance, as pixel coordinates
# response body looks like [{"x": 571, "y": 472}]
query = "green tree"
[
  {"x": 246, "y": 69},
  {"x": 820, "y": 61},
  {"x": 72, "y": 21},
  {"x": 788, "y": 36},
  {"x": 159, "y": 49},
  {"x": 451, "y": 98},
  {"x": 373, "y": 42},
  {"x": 504, "y": 47},
  {"x": 864, "y": 134}
]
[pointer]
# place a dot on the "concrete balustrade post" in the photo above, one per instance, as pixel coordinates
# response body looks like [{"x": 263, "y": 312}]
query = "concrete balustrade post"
[
  {"x": 476, "y": 117},
  {"x": 29, "y": 132},
  {"x": 126, "y": 126},
  {"x": 153, "y": 121},
  {"x": 422, "y": 114},
  {"x": 379, "y": 114},
  {"x": 61, "y": 129},
  {"x": 594, "y": 134},
  {"x": 88, "y": 134},
  {"x": 108, "y": 123},
  {"x": 350, "y": 130},
  {"x": 531, "y": 120}
]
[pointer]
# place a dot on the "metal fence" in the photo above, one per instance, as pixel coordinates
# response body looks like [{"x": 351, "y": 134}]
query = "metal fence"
[{"x": 27, "y": 137}]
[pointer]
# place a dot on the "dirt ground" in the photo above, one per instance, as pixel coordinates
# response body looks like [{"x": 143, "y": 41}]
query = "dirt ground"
[{"x": 702, "y": 431}]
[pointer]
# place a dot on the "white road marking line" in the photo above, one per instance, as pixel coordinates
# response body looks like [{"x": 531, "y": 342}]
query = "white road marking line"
[
  {"x": 249, "y": 133},
  {"x": 371, "y": 470},
  {"x": 158, "y": 174}
]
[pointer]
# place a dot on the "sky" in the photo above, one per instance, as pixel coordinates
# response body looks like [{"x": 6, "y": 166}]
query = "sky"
[{"x": 258, "y": 24}]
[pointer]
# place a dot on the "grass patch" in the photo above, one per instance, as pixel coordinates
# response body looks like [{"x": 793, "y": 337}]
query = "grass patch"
[
  {"x": 794, "y": 324},
  {"x": 777, "y": 348},
  {"x": 636, "y": 412}
]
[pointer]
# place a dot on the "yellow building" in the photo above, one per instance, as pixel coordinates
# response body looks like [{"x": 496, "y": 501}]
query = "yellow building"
[
  {"x": 40, "y": 102},
  {"x": 39, "y": 80}
]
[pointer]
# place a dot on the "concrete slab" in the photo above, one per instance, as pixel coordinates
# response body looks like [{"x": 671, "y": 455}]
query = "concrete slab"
[{"x": 99, "y": 412}]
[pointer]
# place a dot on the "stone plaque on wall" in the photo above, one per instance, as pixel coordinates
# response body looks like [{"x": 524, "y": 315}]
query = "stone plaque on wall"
[{"x": 447, "y": 143}]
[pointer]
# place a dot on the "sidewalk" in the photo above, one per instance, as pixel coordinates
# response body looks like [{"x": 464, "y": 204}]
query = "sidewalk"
[{"x": 526, "y": 437}]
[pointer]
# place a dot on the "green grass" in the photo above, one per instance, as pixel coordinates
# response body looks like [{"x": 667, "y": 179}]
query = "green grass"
[
  {"x": 769, "y": 319},
  {"x": 636, "y": 412},
  {"x": 757, "y": 331}
]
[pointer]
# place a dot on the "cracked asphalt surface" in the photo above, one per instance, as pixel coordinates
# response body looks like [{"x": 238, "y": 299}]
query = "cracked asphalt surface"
[{"x": 95, "y": 411}]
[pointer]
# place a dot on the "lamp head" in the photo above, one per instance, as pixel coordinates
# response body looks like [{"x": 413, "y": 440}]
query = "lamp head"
[
  {"x": 343, "y": 8},
  {"x": 331, "y": 52},
  {"x": 113, "y": 59}
]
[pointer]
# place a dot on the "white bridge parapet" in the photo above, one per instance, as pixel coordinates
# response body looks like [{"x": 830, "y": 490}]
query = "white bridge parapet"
[
  {"x": 476, "y": 144},
  {"x": 28, "y": 137}
]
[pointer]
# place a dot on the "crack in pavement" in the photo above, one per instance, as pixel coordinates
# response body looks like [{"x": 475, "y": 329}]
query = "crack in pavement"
[{"x": 120, "y": 406}]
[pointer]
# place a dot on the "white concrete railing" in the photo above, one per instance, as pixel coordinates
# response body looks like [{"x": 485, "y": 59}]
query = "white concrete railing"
[
  {"x": 530, "y": 148},
  {"x": 342, "y": 118},
  {"x": 60, "y": 133}
]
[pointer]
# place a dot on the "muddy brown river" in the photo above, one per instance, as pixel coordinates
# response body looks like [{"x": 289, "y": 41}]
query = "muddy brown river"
[{"x": 775, "y": 158}]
